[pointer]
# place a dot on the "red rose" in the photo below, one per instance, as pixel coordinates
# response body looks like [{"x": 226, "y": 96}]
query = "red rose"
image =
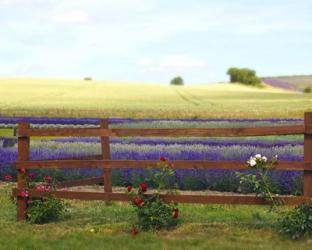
[
  {"x": 138, "y": 201},
  {"x": 8, "y": 178},
  {"x": 22, "y": 170},
  {"x": 163, "y": 158},
  {"x": 175, "y": 213},
  {"x": 47, "y": 178},
  {"x": 129, "y": 188},
  {"x": 23, "y": 194},
  {"x": 134, "y": 231},
  {"x": 143, "y": 187}
]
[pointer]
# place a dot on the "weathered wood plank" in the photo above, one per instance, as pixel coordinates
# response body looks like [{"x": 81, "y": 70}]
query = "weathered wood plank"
[
  {"x": 201, "y": 199},
  {"x": 236, "y": 165},
  {"x": 189, "y": 132},
  {"x": 23, "y": 155},
  {"x": 212, "y": 132},
  {"x": 106, "y": 156},
  {"x": 81, "y": 132},
  {"x": 308, "y": 156}
]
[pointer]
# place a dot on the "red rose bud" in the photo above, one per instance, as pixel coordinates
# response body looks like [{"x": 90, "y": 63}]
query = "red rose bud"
[
  {"x": 8, "y": 178},
  {"x": 47, "y": 178},
  {"x": 23, "y": 194},
  {"x": 129, "y": 188},
  {"x": 22, "y": 170},
  {"x": 143, "y": 187},
  {"x": 134, "y": 231},
  {"x": 138, "y": 201},
  {"x": 163, "y": 158},
  {"x": 31, "y": 176},
  {"x": 175, "y": 213}
]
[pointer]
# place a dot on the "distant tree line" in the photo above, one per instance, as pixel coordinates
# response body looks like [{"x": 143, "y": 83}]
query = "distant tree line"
[{"x": 244, "y": 76}]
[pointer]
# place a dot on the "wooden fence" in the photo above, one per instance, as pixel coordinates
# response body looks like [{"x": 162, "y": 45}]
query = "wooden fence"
[{"x": 104, "y": 161}]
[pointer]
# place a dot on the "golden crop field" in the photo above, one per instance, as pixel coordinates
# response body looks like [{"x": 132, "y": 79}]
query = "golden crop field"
[{"x": 79, "y": 98}]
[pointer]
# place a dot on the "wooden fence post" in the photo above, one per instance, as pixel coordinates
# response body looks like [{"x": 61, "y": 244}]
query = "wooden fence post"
[
  {"x": 307, "y": 155},
  {"x": 23, "y": 155},
  {"x": 106, "y": 156}
]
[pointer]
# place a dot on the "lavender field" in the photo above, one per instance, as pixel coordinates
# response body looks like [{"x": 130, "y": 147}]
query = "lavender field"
[
  {"x": 288, "y": 148},
  {"x": 294, "y": 83}
]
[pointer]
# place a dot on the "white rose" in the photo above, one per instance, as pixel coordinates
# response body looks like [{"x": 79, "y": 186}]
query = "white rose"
[
  {"x": 252, "y": 163},
  {"x": 264, "y": 158},
  {"x": 258, "y": 156}
]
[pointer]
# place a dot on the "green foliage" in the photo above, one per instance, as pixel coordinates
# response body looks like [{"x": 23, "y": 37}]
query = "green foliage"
[
  {"x": 155, "y": 214},
  {"x": 307, "y": 90},
  {"x": 45, "y": 210},
  {"x": 177, "y": 81},
  {"x": 192, "y": 183},
  {"x": 243, "y": 75},
  {"x": 88, "y": 78},
  {"x": 163, "y": 177},
  {"x": 226, "y": 183},
  {"x": 297, "y": 223}
]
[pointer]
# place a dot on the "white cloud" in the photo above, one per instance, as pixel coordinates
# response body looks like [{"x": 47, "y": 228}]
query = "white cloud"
[{"x": 73, "y": 16}]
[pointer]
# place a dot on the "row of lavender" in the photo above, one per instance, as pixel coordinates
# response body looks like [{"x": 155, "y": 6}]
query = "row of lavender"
[
  {"x": 286, "y": 182},
  {"x": 9, "y": 122}
]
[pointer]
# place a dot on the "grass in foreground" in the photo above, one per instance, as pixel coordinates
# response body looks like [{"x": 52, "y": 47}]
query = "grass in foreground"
[
  {"x": 201, "y": 227},
  {"x": 78, "y": 98}
]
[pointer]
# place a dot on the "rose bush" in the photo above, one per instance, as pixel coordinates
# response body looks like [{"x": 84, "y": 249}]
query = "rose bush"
[
  {"x": 152, "y": 212},
  {"x": 260, "y": 182},
  {"x": 48, "y": 207}
]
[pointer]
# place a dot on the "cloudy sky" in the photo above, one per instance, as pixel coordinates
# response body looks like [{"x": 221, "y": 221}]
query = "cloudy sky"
[{"x": 154, "y": 40}]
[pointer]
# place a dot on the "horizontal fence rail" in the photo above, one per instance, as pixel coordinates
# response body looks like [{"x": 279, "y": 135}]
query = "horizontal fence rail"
[
  {"x": 234, "y": 165},
  {"x": 202, "y": 199},
  {"x": 189, "y": 132},
  {"x": 104, "y": 161}
]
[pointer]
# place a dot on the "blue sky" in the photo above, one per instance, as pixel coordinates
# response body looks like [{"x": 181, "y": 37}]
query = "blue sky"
[{"x": 154, "y": 40}]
